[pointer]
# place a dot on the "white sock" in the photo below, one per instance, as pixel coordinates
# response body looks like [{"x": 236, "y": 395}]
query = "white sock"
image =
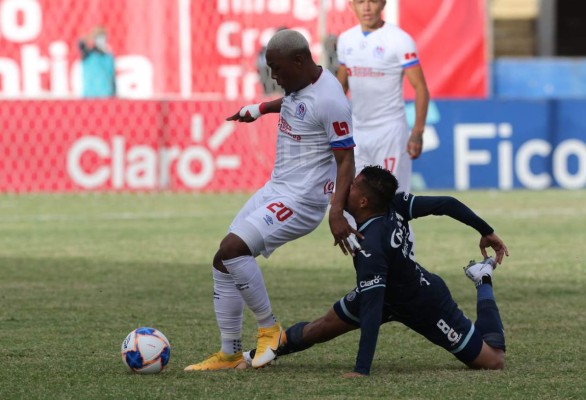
[
  {"x": 229, "y": 308},
  {"x": 248, "y": 278}
]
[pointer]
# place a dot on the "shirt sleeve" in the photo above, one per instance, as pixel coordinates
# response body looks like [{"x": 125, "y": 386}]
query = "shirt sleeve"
[
  {"x": 371, "y": 276},
  {"x": 406, "y": 50},
  {"x": 445, "y": 205},
  {"x": 337, "y": 119},
  {"x": 402, "y": 204}
]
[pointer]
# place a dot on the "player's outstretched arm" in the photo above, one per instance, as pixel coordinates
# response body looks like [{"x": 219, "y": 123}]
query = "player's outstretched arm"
[
  {"x": 495, "y": 242},
  {"x": 454, "y": 208},
  {"x": 252, "y": 112}
]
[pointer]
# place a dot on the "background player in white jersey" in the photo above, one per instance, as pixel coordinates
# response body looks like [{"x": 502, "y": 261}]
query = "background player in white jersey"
[
  {"x": 314, "y": 153},
  {"x": 374, "y": 56}
]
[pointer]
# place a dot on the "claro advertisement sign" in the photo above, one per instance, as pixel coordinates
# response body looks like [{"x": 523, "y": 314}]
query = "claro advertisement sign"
[{"x": 122, "y": 145}]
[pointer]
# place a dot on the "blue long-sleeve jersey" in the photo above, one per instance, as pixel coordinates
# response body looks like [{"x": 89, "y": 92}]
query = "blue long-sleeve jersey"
[{"x": 385, "y": 269}]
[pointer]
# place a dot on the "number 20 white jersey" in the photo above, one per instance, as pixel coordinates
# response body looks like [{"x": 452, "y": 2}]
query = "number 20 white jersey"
[
  {"x": 313, "y": 123},
  {"x": 375, "y": 64}
]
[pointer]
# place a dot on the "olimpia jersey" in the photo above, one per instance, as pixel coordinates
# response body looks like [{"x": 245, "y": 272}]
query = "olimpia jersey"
[
  {"x": 313, "y": 123},
  {"x": 376, "y": 63}
]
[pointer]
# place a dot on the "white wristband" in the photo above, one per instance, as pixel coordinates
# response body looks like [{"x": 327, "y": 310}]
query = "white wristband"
[
  {"x": 353, "y": 242},
  {"x": 252, "y": 110}
]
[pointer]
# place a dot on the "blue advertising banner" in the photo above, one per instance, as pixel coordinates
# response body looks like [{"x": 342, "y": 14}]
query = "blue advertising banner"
[{"x": 503, "y": 144}]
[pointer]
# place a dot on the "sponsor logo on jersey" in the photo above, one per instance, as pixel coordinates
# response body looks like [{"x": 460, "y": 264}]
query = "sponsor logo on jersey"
[
  {"x": 287, "y": 129},
  {"x": 374, "y": 281},
  {"x": 378, "y": 52},
  {"x": 268, "y": 219},
  {"x": 301, "y": 110},
  {"x": 364, "y": 72},
  {"x": 410, "y": 56},
  {"x": 453, "y": 336}
]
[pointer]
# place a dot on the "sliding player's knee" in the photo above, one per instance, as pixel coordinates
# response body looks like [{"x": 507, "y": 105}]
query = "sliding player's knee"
[
  {"x": 489, "y": 358},
  {"x": 496, "y": 360}
]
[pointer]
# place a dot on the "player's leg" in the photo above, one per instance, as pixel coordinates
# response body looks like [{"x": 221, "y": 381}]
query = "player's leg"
[
  {"x": 343, "y": 317},
  {"x": 228, "y": 306},
  {"x": 488, "y": 322},
  {"x": 435, "y": 315},
  {"x": 388, "y": 148},
  {"x": 340, "y": 319},
  {"x": 238, "y": 281},
  {"x": 277, "y": 221}
]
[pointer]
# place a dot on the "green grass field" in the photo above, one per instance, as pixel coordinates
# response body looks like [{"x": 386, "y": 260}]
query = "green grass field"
[{"x": 78, "y": 272}]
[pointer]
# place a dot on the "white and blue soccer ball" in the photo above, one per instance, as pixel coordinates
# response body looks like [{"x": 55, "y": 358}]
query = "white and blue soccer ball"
[{"x": 146, "y": 351}]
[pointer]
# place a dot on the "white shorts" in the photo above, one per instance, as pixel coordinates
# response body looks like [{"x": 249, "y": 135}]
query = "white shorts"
[
  {"x": 269, "y": 220},
  {"x": 386, "y": 148}
]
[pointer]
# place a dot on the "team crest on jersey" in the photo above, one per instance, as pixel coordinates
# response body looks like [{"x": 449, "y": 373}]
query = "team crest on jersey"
[
  {"x": 351, "y": 295},
  {"x": 329, "y": 187},
  {"x": 378, "y": 52},
  {"x": 301, "y": 110}
]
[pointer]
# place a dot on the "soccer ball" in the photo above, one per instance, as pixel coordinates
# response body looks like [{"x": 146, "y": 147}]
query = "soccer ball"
[{"x": 146, "y": 351}]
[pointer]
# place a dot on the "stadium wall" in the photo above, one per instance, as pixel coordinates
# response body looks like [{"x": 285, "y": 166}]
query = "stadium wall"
[{"x": 133, "y": 145}]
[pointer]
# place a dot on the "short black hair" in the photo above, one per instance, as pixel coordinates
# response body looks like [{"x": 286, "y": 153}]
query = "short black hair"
[{"x": 379, "y": 185}]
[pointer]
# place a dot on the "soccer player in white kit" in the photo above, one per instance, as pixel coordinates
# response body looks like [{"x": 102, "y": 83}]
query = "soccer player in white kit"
[
  {"x": 314, "y": 154},
  {"x": 374, "y": 56}
]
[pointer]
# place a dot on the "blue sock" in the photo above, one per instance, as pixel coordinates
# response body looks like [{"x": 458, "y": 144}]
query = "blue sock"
[
  {"x": 488, "y": 320},
  {"x": 484, "y": 292},
  {"x": 295, "y": 340}
]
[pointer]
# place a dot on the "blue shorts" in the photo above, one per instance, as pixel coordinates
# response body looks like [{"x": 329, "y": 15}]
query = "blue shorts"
[{"x": 431, "y": 312}]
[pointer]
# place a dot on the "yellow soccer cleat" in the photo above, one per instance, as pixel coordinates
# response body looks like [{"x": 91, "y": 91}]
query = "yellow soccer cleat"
[
  {"x": 219, "y": 361},
  {"x": 269, "y": 340}
]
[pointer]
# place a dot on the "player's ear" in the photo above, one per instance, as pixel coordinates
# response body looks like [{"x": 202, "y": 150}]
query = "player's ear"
[
  {"x": 298, "y": 61},
  {"x": 363, "y": 202}
]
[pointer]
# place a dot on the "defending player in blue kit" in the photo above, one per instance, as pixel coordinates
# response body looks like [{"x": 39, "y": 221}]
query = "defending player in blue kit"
[{"x": 391, "y": 286}]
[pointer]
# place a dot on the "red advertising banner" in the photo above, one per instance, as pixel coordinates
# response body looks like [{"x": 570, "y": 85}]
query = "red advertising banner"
[
  {"x": 208, "y": 49},
  {"x": 121, "y": 145},
  {"x": 451, "y": 40}
]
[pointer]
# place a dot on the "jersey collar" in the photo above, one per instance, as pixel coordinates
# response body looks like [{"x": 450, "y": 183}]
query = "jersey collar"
[{"x": 368, "y": 222}]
